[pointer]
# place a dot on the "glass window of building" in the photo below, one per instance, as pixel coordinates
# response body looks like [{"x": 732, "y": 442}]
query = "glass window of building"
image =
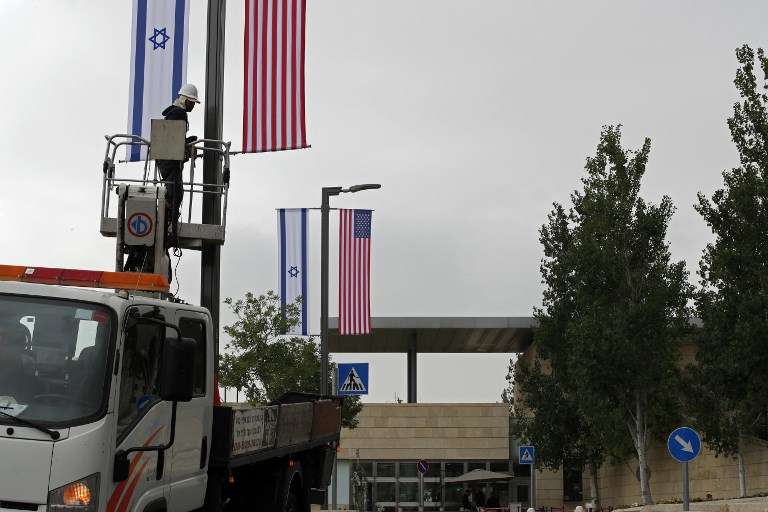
[
  {"x": 434, "y": 470},
  {"x": 409, "y": 492},
  {"x": 408, "y": 470},
  {"x": 498, "y": 495},
  {"x": 385, "y": 492},
  {"x": 572, "y": 485},
  {"x": 502, "y": 467},
  {"x": 476, "y": 465},
  {"x": 385, "y": 470},
  {"x": 364, "y": 469},
  {"x": 454, "y": 469},
  {"x": 522, "y": 470},
  {"x": 432, "y": 494},
  {"x": 522, "y": 493},
  {"x": 453, "y": 496}
]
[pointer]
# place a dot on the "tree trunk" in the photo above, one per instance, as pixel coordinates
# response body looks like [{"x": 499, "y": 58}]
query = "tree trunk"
[
  {"x": 742, "y": 469},
  {"x": 593, "y": 469},
  {"x": 641, "y": 445}
]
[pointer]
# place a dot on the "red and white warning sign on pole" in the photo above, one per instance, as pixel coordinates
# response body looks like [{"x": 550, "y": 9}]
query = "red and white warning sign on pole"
[{"x": 140, "y": 220}]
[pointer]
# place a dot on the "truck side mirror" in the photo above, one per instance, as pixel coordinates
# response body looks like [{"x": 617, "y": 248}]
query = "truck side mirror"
[{"x": 177, "y": 370}]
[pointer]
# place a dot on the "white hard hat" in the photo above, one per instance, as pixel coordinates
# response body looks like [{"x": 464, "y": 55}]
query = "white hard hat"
[
  {"x": 189, "y": 91},
  {"x": 531, "y": 509},
  {"x": 578, "y": 508}
]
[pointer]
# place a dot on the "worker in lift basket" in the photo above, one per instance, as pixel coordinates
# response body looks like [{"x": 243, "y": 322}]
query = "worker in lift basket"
[{"x": 170, "y": 170}]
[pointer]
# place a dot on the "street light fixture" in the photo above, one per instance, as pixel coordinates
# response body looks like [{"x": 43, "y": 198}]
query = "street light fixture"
[{"x": 325, "y": 210}]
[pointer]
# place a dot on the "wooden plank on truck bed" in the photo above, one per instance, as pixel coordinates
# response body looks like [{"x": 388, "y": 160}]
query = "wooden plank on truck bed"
[
  {"x": 294, "y": 424},
  {"x": 253, "y": 429},
  {"x": 327, "y": 419}
]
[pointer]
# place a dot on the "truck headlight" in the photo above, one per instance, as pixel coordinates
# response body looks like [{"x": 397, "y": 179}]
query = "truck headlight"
[{"x": 79, "y": 496}]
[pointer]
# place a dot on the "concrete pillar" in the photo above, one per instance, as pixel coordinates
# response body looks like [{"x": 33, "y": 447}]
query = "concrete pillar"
[{"x": 412, "y": 373}]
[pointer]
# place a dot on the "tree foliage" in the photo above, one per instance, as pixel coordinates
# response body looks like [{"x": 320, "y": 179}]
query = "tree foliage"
[
  {"x": 266, "y": 364},
  {"x": 547, "y": 416},
  {"x": 614, "y": 304},
  {"x": 729, "y": 384}
]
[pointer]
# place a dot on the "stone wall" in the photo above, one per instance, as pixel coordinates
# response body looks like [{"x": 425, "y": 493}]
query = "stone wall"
[
  {"x": 429, "y": 431},
  {"x": 717, "y": 476}
]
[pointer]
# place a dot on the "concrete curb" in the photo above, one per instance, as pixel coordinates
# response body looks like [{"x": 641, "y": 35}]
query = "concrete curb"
[{"x": 759, "y": 504}]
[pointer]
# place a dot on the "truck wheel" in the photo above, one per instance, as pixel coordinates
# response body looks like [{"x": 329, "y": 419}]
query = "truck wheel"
[
  {"x": 292, "y": 503},
  {"x": 213, "y": 501},
  {"x": 296, "y": 500}
]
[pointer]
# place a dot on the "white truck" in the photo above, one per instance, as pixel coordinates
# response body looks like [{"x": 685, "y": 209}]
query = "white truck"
[{"x": 107, "y": 404}]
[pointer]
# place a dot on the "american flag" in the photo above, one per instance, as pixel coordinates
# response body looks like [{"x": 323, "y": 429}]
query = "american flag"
[
  {"x": 273, "y": 90},
  {"x": 355, "y": 272}
]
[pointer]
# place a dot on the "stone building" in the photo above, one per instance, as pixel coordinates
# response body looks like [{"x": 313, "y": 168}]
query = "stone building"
[{"x": 378, "y": 459}]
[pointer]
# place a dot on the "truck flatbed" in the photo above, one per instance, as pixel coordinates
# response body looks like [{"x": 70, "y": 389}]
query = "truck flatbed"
[{"x": 245, "y": 435}]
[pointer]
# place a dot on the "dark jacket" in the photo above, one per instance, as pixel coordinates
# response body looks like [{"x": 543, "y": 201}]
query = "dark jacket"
[{"x": 176, "y": 113}]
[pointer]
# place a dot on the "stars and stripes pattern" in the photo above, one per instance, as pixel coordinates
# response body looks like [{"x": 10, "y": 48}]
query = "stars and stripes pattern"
[
  {"x": 355, "y": 272},
  {"x": 273, "y": 102}
]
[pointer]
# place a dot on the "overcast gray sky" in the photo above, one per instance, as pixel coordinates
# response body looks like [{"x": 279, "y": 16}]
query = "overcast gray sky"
[{"x": 475, "y": 117}]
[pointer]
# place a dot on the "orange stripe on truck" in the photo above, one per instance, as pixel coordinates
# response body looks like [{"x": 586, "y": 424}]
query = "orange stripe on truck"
[
  {"x": 115, "y": 498},
  {"x": 128, "y": 496}
]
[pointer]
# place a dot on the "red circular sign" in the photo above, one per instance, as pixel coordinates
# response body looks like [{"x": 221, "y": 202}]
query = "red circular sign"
[{"x": 139, "y": 225}]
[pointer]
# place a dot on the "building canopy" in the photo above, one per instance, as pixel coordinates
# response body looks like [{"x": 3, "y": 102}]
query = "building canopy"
[{"x": 437, "y": 335}]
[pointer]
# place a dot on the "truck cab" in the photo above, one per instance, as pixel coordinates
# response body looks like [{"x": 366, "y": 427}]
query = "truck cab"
[{"x": 88, "y": 417}]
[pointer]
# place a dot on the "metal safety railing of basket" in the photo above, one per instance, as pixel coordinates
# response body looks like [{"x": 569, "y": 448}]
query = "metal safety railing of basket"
[{"x": 195, "y": 149}]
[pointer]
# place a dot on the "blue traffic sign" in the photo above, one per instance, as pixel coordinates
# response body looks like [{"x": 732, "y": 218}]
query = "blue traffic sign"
[
  {"x": 684, "y": 444},
  {"x": 353, "y": 379},
  {"x": 526, "y": 454},
  {"x": 422, "y": 466}
]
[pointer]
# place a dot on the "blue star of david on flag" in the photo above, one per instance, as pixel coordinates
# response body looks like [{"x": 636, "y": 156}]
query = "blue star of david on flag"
[
  {"x": 159, "y": 38},
  {"x": 293, "y": 261}
]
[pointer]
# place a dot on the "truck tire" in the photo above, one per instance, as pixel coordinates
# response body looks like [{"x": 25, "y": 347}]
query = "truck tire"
[
  {"x": 292, "y": 503},
  {"x": 213, "y": 498},
  {"x": 296, "y": 499}
]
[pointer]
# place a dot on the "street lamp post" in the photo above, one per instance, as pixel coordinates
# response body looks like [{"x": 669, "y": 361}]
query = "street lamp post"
[{"x": 325, "y": 210}]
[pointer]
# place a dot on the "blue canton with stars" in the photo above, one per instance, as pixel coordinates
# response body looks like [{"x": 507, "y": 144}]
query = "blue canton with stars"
[
  {"x": 362, "y": 223},
  {"x": 293, "y": 272},
  {"x": 159, "y": 38}
]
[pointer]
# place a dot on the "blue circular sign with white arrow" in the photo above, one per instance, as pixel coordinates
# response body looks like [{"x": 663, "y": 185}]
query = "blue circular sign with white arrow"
[{"x": 684, "y": 444}]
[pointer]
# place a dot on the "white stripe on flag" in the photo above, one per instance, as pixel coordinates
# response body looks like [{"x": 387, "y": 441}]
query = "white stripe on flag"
[
  {"x": 293, "y": 262},
  {"x": 159, "y": 38},
  {"x": 273, "y": 85},
  {"x": 354, "y": 272}
]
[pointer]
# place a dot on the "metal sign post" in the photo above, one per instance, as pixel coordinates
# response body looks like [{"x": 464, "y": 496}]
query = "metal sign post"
[
  {"x": 684, "y": 445},
  {"x": 527, "y": 456}
]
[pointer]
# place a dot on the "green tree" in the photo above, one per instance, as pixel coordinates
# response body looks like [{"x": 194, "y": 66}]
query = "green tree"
[
  {"x": 729, "y": 385},
  {"x": 266, "y": 364},
  {"x": 546, "y": 415},
  {"x": 614, "y": 304}
]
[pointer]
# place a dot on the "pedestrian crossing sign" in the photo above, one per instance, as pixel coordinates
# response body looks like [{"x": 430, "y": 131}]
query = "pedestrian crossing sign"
[
  {"x": 353, "y": 379},
  {"x": 527, "y": 454}
]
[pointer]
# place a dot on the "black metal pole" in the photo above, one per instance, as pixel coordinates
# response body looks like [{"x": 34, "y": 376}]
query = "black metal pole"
[
  {"x": 412, "y": 369},
  {"x": 325, "y": 210},
  {"x": 210, "y": 266}
]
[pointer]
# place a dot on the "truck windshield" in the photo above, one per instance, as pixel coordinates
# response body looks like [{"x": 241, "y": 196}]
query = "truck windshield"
[{"x": 53, "y": 359}]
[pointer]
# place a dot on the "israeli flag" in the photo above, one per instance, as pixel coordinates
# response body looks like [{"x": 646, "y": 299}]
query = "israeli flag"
[
  {"x": 293, "y": 261},
  {"x": 158, "y": 63}
]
